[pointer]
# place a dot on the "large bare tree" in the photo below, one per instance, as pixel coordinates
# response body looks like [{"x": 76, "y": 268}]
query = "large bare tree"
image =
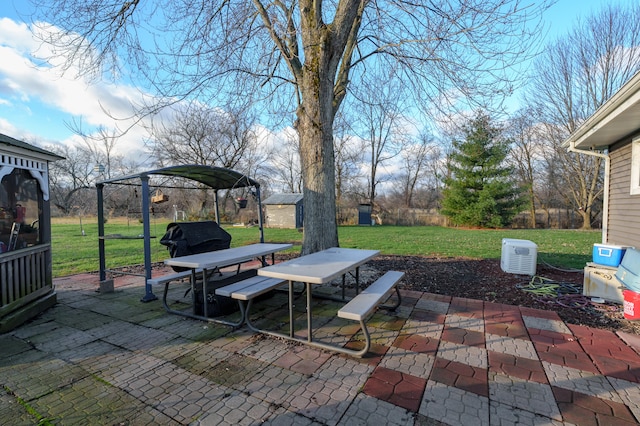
[
  {"x": 381, "y": 124},
  {"x": 300, "y": 55},
  {"x": 74, "y": 177},
  {"x": 570, "y": 81},
  {"x": 527, "y": 155},
  {"x": 71, "y": 177},
  {"x": 197, "y": 134},
  {"x": 416, "y": 158}
]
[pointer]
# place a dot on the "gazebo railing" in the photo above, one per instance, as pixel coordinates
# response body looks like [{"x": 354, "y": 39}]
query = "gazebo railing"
[{"x": 23, "y": 277}]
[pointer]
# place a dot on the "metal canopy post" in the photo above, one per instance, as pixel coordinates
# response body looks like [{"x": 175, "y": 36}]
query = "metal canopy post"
[
  {"x": 101, "y": 253},
  {"x": 216, "y": 207},
  {"x": 260, "y": 219},
  {"x": 146, "y": 230}
]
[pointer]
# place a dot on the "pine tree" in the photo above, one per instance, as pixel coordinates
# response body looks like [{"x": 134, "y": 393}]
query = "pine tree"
[{"x": 480, "y": 190}]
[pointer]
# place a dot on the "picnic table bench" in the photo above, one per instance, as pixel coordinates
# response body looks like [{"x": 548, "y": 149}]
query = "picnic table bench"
[
  {"x": 167, "y": 278},
  {"x": 247, "y": 290},
  {"x": 364, "y": 304}
]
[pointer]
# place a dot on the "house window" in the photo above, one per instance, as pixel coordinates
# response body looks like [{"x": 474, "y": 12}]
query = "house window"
[{"x": 635, "y": 167}]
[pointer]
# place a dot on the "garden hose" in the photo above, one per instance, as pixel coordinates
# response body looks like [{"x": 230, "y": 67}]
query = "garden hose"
[{"x": 547, "y": 290}]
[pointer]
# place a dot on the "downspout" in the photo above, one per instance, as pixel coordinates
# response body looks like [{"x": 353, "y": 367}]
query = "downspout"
[{"x": 605, "y": 198}]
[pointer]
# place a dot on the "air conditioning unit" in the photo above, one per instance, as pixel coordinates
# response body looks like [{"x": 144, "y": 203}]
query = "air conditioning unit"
[{"x": 519, "y": 256}]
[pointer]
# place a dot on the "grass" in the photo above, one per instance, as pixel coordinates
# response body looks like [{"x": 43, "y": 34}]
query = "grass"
[
  {"x": 42, "y": 421},
  {"x": 74, "y": 253}
]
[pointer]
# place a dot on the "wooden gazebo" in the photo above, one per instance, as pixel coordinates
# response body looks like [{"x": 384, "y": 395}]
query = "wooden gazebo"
[{"x": 26, "y": 287}]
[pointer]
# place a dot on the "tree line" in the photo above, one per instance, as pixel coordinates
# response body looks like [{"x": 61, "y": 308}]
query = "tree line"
[{"x": 393, "y": 133}]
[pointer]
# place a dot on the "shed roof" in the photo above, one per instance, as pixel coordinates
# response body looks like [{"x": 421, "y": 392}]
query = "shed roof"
[
  {"x": 214, "y": 177},
  {"x": 293, "y": 198}
]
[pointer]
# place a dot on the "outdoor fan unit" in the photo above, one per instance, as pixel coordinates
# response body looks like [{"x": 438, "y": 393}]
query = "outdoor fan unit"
[{"x": 518, "y": 256}]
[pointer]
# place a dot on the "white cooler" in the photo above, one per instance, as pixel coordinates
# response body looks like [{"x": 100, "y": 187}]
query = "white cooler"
[{"x": 600, "y": 281}]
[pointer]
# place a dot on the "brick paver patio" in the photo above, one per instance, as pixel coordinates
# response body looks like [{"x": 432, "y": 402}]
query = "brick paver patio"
[{"x": 110, "y": 359}]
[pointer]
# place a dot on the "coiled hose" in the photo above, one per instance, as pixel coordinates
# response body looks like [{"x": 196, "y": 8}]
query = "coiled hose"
[{"x": 549, "y": 291}]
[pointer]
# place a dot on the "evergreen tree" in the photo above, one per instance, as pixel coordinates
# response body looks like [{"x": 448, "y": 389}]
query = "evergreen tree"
[{"x": 480, "y": 189}]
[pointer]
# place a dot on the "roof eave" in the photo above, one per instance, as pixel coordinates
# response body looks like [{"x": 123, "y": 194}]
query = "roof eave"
[{"x": 611, "y": 122}]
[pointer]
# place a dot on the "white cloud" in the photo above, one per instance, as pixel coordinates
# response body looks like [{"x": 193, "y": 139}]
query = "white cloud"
[
  {"x": 273, "y": 140},
  {"x": 16, "y": 34},
  {"x": 6, "y": 127},
  {"x": 29, "y": 81}
]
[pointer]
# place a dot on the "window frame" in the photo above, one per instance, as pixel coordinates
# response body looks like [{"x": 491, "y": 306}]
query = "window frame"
[{"x": 635, "y": 167}]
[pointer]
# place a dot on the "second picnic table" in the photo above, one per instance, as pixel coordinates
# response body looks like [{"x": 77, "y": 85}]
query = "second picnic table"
[{"x": 317, "y": 268}]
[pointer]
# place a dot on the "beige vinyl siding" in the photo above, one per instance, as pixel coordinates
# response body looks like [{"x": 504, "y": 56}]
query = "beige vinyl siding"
[{"x": 624, "y": 208}]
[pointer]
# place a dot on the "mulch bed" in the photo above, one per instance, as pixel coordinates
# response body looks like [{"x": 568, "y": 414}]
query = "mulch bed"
[{"x": 484, "y": 280}]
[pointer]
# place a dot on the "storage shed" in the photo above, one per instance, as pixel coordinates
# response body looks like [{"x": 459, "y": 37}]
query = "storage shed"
[{"x": 284, "y": 211}]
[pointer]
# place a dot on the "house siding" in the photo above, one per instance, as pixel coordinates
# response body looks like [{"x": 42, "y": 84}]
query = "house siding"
[{"x": 623, "y": 225}]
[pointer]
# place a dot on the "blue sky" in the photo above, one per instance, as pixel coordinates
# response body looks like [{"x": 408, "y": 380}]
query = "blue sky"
[{"x": 38, "y": 105}]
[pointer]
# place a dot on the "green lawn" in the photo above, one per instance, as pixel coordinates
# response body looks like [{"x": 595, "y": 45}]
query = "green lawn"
[{"x": 74, "y": 253}]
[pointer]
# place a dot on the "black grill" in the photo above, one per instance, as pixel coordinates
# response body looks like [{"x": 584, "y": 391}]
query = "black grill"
[{"x": 185, "y": 238}]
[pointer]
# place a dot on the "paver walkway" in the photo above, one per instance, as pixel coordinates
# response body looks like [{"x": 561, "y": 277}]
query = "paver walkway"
[{"x": 110, "y": 359}]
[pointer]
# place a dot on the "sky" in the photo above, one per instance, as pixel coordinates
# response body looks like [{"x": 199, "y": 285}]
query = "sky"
[{"x": 38, "y": 105}]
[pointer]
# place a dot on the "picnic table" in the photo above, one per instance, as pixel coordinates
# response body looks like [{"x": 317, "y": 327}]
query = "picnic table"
[
  {"x": 320, "y": 268},
  {"x": 203, "y": 263}
]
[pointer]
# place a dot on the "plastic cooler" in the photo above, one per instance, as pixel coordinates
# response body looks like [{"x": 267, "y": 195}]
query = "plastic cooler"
[
  {"x": 609, "y": 255},
  {"x": 629, "y": 270},
  {"x": 600, "y": 281},
  {"x": 631, "y": 305}
]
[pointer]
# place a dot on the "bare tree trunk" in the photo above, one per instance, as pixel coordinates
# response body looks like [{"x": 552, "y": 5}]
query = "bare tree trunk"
[
  {"x": 586, "y": 218},
  {"x": 532, "y": 207},
  {"x": 314, "y": 126},
  {"x": 322, "y": 81}
]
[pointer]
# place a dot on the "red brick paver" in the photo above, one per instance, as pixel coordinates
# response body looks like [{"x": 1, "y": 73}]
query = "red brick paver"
[
  {"x": 395, "y": 387},
  {"x": 585, "y": 410}
]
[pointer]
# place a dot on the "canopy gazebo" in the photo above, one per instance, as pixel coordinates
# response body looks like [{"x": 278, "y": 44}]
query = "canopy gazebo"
[{"x": 216, "y": 178}]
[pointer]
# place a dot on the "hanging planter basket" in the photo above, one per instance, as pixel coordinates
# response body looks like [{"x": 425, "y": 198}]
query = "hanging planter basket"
[
  {"x": 241, "y": 202},
  {"x": 159, "y": 197}
]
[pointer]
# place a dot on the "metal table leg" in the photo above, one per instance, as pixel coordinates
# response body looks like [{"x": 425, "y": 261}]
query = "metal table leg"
[
  {"x": 309, "y": 324},
  {"x": 291, "y": 331}
]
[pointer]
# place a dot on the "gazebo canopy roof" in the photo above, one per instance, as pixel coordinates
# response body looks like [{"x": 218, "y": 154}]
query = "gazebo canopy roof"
[{"x": 214, "y": 177}]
